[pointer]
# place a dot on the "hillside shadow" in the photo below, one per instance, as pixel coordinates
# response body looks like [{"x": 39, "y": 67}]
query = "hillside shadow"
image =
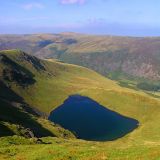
[
  {"x": 21, "y": 114},
  {"x": 35, "y": 62},
  {"x": 14, "y": 72},
  {"x": 17, "y": 116},
  {"x": 10, "y": 96},
  {"x": 5, "y": 131}
]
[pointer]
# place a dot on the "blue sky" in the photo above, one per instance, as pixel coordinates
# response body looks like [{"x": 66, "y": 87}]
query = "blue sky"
[{"x": 114, "y": 17}]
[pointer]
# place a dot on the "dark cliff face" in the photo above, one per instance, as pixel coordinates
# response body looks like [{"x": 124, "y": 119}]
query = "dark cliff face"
[{"x": 15, "y": 73}]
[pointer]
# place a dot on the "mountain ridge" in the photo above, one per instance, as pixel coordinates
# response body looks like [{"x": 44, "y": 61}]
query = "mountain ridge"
[{"x": 109, "y": 55}]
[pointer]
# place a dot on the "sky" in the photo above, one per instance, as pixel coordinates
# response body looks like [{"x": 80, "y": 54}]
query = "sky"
[{"x": 103, "y": 17}]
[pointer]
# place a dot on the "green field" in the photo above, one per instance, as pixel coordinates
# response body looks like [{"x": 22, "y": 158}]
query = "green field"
[
  {"x": 48, "y": 84},
  {"x": 60, "y": 149}
]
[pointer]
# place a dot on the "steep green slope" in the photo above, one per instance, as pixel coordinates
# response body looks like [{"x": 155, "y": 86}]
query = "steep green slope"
[
  {"x": 31, "y": 88},
  {"x": 16, "y": 116},
  {"x": 48, "y": 83}
]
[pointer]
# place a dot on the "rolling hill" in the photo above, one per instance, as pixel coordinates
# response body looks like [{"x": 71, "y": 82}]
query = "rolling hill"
[
  {"x": 32, "y": 88},
  {"x": 115, "y": 57}
]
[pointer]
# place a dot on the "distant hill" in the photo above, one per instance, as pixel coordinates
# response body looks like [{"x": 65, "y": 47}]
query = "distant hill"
[{"x": 114, "y": 57}]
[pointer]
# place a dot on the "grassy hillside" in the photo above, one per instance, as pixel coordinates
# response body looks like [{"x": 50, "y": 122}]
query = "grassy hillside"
[
  {"x": 17, "y": 117},
  {"x": 60, "y": 149},
  {"x": 115, "y": 57},
  {"x": 43, "y": 85}
]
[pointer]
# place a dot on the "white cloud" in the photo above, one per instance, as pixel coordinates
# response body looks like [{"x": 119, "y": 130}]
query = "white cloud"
[
  {"x": 72, "y": 1},
  {"x": 33, "y": 5}
]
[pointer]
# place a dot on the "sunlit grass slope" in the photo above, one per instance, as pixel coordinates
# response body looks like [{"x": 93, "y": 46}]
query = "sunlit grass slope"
[
  {"x": 60, "y": 149},
  {"x": 53, "y": 82}
]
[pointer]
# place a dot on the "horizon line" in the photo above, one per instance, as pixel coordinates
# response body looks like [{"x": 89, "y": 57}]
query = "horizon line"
[{"x": 80, "y": 33}]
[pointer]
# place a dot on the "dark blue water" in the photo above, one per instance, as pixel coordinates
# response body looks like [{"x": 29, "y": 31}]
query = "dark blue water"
[{"x": 91, "y": 121}]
